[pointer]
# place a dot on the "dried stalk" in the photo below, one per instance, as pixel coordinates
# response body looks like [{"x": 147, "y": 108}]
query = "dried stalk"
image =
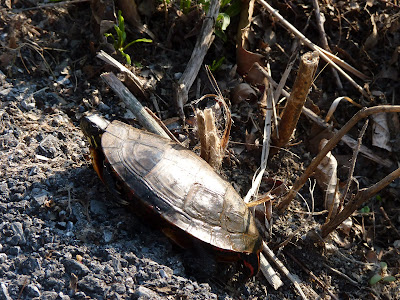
[
  {"x": 271, "y": 255},
  {"x": 324, "y": 41},
  {"x": 211, "y": 149},
  {"x": 266, "y": 145},
  {"x": 134, "y": 83},
  {"x": 363, "y": 113},
  {"x": 204, "y": 41},
  {"x": 353, "y": 164},
  {"x": 306, "y": 41},
  {"x": 133, "y": 104},
  {"x": 292, "y": 110},
  {"x": 269, "y": 273},
  {"x": 349, "y": 141},
  {"x": 361, "y": 197}
]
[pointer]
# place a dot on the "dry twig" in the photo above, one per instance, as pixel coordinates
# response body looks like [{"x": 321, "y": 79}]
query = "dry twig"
[
  {"x": 145, "y": 119},
  {"x": 363, "y": 113},
  {"x": 292, "y": 110},
  {"x": 324, "y": 41},
  {"x": 311, "y": 45},
  {"x": 204, "y": 41},
  {"x": 349, "y": 141},
  {"x": 271, "y": 255},
  {"x": 357, "y": 201},
  {"x": 353, "y": 164}
]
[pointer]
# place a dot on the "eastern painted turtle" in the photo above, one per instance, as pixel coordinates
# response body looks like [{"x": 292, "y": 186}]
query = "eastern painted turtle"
[{"x": 162, "y": 179}]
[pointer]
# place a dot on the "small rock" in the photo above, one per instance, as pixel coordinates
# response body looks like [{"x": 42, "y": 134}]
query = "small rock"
[
  {"x": 61, "y": 296},
  {"x": 18, "y": 231},
  {"x": 119, "y": 288},
  {"x": 4, "y": 292},
  {"x": 144, "y": 293},
  {"x": 32, "y": 290},
  {"x": 39, "y": 196},
  {"x": 92, "y": 284},
  {"x": 103, "y": 107},
  {"x": 98, "y": 207},
  {"x": 28, "y": 103},
  {"x": 15, "y": 250},
  {"x": 163, "y": 274},
  {"x": 49, "y": 296},
  {"x": 107, "y": 236},
  {"x": 3, "y": 257},
  {"x": 70, "y": 226},
  {"x": 4, "y": 189},
  {"x": 80, "y": 295},
  {"x": 73, "y": 266}
]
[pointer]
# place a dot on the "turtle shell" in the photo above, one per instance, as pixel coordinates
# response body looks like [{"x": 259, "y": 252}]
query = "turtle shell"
[{"x": 180, "y": 187}]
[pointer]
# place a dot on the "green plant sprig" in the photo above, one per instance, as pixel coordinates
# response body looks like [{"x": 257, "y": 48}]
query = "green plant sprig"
[{"x": 119, "y": 42}]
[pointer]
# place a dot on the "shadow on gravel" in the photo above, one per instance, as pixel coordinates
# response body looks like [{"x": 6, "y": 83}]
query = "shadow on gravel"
[{"x": 94, "y": 247}]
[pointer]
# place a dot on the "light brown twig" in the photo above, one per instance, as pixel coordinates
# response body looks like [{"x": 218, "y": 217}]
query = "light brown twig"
[
  {"x": 363, "y": 113},
  {"x": 292, "y": 110},
  {"x": 324, "y": 41},
  {"x": 133, "y": 104},
  {"x": 353, "y": 164},
  {"x": 204, "y": 40},
  {"x": 311, "y": 45},
  {"x": 357, "y": 201}
]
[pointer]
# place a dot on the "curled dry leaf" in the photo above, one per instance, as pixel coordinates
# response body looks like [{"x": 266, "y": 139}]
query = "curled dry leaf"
[
  {"x": 372, "y": 40},
  {"x": 246, "y": 59},
  {"x": 380, "y": 131},
  {"x": 243, "y": 91},
  {"x": 326, "y": 176}
]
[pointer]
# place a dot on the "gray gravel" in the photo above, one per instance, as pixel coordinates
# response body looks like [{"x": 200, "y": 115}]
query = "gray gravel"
[{"x": 60, "y": 235}]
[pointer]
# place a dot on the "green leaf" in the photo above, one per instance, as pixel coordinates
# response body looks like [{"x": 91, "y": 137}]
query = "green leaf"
[
  {"x": 224, "y": 3},
  {"x": 217, "y": 64},
  {"x": 127, "y": 57},
  {"x": 365, "y": 210},
  {"x": 224, "y": 20},
  {"x": 375, "y": 279},
  {"x": 138, "y": 41},
  {"x": 383, "y": 265},
  {"x": 389, "y": 278}
]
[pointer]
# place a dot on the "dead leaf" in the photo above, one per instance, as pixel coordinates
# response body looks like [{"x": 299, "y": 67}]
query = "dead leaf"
[
  {"x": 326, "y": 176},
  {"x": 372, "y": 40},
  {"x": 380, "y": 131},
  {"x": 246, "y": 59},
  {"x": 243, "y": 91}
]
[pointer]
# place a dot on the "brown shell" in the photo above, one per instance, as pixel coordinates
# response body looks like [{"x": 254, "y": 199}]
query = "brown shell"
[{"x": 181, "y": 187}]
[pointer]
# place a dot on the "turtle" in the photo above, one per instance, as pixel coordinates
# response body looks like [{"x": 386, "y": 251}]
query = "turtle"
[{"x": 163, "y": 181}]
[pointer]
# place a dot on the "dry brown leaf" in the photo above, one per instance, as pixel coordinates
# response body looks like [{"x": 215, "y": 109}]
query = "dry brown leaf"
[
  {"x": 380, "y": 131},
  {"x": 246, "y": 59},
  {"x": 372, "y": 40},
  {"x": 326, "y": 176},
  {"x": 243, "y": 91}
]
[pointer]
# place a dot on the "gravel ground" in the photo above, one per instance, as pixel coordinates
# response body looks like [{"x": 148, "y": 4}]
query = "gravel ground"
[{"x": 59, "y": 238}]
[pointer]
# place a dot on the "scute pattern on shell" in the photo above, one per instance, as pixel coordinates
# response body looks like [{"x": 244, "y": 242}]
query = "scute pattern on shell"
[{"x": 181, "y": 187}]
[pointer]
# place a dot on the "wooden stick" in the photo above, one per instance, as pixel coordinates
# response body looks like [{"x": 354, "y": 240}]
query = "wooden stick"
[
  {"x": 133, "y": 104},
  {"x": 271, "y": 255},
  {"x": 349, "y": 141},
  {"x": 363, "y": 113},
  {"x": 204, "y": 41},
  {"x": 135, "y": 82},
  {"x": 306, "y": 41},
  {"x": 324, "y": 41},
  {"x": 353, "y": 165},
  {"x": 361, "y": 197},
  {"x": 292, "y": 110}
]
